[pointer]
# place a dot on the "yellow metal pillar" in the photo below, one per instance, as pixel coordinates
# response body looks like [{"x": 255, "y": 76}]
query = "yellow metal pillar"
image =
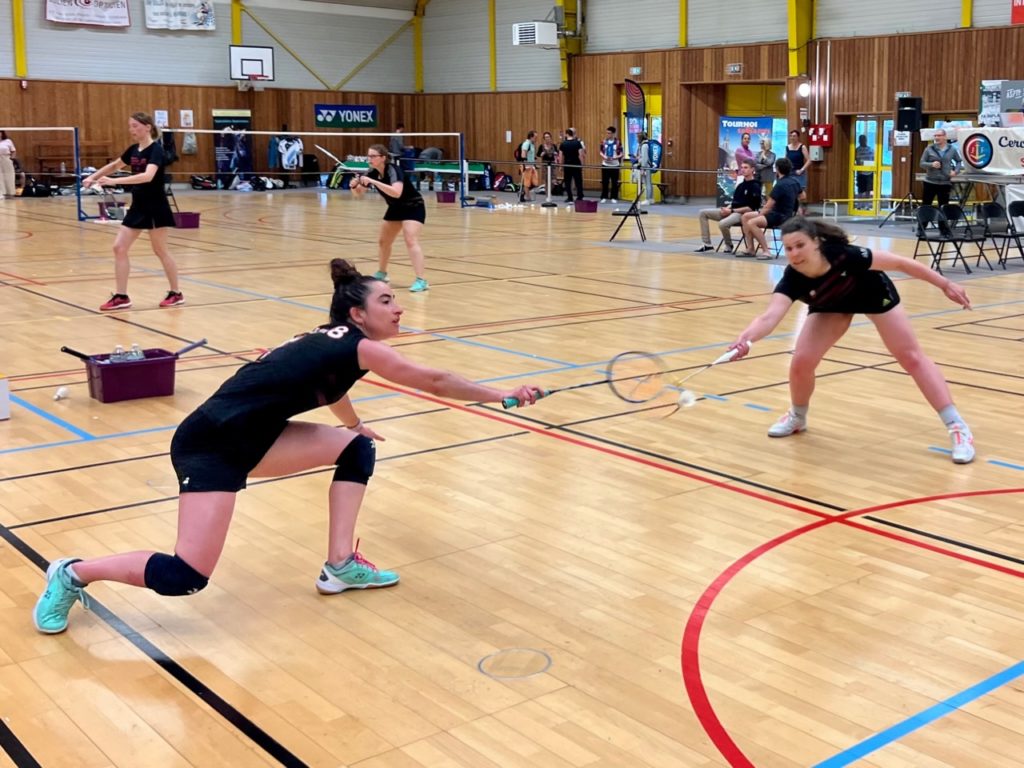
[
  {"x": 801, "y": 26},
  {"x": 569, "y": 44},
  {"x": 236, "y": 22},
  {"x": 683, "y": 11},
  {"x": 966, "y": 13},
  {"x": 18, "y": 30},
  {"x": 417, "y": 42}
]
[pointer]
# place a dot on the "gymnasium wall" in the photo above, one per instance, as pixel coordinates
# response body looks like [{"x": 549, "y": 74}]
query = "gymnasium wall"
[{"x": 6, "y": 48}]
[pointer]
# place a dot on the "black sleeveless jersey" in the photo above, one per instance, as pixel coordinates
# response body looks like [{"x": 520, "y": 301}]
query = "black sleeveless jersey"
[
  {"x": 308, "y": 371},
  {"x": 849, "y": 287}
]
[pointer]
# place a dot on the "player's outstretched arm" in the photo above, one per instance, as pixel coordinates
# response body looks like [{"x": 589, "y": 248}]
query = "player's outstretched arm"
[
  {"x": 763, "y": 324},
  {"x": 887, "y": 261}
]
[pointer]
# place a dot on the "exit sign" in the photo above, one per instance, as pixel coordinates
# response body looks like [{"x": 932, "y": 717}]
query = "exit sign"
[
  {"x": 902, "y": 94},
  {"x": 734, "y": 69},
  {"x": 636, "y": 70}
]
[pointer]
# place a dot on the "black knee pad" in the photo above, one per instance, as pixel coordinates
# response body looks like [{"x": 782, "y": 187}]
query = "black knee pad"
[
  {"x": 356, "y": 462},
  {"x": 172, "y": 576}
]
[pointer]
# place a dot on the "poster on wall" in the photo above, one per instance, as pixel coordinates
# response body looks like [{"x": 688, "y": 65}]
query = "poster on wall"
[
  {"x": 186, "y": 119},
  {"x": 97, "y": 13},
  {"x": 739, "y": 138},
  {"x": 160, "y": 118},
  {"x": 181, "y": 15},
  {"x": 232, "y": 146}
]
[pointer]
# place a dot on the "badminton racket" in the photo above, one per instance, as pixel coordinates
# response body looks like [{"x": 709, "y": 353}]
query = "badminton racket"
[{"x": 640, "y": 377}]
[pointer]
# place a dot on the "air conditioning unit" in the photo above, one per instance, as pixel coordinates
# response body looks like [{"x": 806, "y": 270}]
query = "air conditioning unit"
[{"x": 541, "y": 33}]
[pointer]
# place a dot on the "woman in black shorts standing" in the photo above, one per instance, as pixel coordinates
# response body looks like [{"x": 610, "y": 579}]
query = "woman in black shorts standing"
[
  {"x": 245, "y": 429},
  {"x": 149, "y": 209},
  {"x": 406, "y": 212},
  {"x": 838, "y": 280}
]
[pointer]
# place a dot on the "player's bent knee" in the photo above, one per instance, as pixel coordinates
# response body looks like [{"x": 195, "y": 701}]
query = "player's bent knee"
[
  {"x": 170, "y": 575},
  {"x": 355, "y": 464}
]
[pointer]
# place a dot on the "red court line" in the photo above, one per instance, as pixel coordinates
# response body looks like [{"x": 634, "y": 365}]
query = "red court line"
[
  {"x": 690, "y": 651},
  {"x": 19, "y": 277}
]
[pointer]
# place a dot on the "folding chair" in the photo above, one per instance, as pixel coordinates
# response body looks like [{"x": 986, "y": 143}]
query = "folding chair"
[
  {"x": 964, "y": 232},
  {"x": 1013, "y": 232},
  {"x": 934, "y": 231}
]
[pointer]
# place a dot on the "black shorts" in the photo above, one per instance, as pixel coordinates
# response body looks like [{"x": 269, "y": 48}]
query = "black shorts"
[
  {"x": 412, "y": 213},
  {"x": 148, "y": 216},
  {"x": 210, "y": 457},
  {"x": 775, "y": 219},
  {"x": 865, "y": 182}
]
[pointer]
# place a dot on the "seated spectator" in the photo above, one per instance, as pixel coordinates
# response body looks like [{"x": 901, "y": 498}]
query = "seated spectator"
[
  {"x": 746, "y": 198},
  {"x": 781, "y": 205}
]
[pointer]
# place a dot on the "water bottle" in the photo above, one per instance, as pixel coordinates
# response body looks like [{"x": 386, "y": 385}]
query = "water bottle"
[
  {"x": 63, "y": 167},
  {"x": 118, "y": 354},
  {"x": 136, "y": 353}
]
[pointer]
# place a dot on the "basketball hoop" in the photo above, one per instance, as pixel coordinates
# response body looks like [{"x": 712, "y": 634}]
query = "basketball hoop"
[{"x": 252, "y": 83}]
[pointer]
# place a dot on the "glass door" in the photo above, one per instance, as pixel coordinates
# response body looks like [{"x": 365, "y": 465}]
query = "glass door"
[{"x": 865, "y": 160}]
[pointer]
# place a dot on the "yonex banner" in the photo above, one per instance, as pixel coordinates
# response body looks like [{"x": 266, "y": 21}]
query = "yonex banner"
[
  {"x": 993, "y": 150},
  {"x": 346, "y": 115}
]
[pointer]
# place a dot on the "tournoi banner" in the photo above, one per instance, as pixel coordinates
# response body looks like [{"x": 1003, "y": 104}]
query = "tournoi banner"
[
  {"x": 730, "y": 138},
  {"x": 181, "y": 15},
  {"x": 993, "y": 150},
  {"x": 100, "y": 13}
]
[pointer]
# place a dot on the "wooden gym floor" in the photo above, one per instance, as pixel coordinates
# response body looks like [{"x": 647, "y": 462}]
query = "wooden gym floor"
[{"x": 583, "y": 584}]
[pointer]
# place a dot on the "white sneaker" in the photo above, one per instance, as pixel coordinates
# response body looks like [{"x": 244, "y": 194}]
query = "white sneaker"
[
  {"x": 645, "y": 202},
  {"x": 613, "y": 200},
  {"x": 788, "y": 425},
  {"x": 603, "y": 200},
  {"x": 963, "y": 444}
]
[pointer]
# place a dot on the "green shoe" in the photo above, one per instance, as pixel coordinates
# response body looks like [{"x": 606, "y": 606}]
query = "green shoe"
[
  {"x": 355, "y": 573},
  {"x": 52, "y": 608},
  {"x": 419, "y": 285},
  {"x": 382, "y": 276}
]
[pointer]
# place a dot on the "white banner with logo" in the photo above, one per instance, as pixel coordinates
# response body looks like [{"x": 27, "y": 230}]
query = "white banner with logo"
[
  {"x": 992, "y": 150},
  {"x": 101, "y": 13},
  {"x": 180, "y": 14}
]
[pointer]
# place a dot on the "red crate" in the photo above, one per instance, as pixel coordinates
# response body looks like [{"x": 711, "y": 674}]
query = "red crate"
[
  {"x": 131, "y": 379},
  {"x": 586, "y": 206},
  {"x": 446, "y": 196},
  {"x": 186, "y": 220}
]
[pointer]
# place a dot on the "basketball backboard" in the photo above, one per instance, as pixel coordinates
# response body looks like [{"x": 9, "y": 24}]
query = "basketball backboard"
[{"x": 250, "y": 60}]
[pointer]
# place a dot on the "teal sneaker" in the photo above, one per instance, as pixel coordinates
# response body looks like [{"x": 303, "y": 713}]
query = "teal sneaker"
[
  {"x": 355, "y": 573},
  {"x": 382, "y": 276},
  {"x": 52, "y": 608},
  {"x": 419, "y": 285}
]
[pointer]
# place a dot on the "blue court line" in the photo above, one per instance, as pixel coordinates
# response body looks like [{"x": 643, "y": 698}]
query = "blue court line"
[
  {"x": 939, "y": 449},
  {"x": 930, "y": 715},
  {"x": 51, "y": 418},
  {"x": 1006, "y": 464},
  {"x": 716, "y": 397},
  {"x": 757, "y": 407}
]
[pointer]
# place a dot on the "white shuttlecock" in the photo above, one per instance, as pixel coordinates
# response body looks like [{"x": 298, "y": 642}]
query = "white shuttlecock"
[
  {"x": 687, "y": 398},
  {"x": 61, "y": 393}
]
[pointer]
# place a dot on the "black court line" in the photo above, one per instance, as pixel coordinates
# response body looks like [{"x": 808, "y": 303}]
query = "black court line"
[
  {"x": 243, "y": 724},
  {"x": 12, "y": 745},
  {"x": 946, "y": 540}
]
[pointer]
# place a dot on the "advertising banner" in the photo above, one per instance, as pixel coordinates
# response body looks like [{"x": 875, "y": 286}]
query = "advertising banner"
[
  {"x": 180, "y": 14},
  {"x": 732, "y": 149},
  {"x": 997, "y": 151},
  {"x": 346, "y": 115},
  {"x": 100, "y": 13},
  {"x": 232, "y": 148}
]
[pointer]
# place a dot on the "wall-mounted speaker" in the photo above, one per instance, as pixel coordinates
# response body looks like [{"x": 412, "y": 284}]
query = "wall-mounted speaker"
[{"x": 908, "y": 113}]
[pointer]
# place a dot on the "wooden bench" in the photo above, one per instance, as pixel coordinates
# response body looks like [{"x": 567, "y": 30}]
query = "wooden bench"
[{"x": 51, "y": 156}]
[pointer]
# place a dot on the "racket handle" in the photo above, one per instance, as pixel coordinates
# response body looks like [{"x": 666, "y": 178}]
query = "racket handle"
[
  {"x": 731, "y": 354},
  {"x": 511, "y": 402}
]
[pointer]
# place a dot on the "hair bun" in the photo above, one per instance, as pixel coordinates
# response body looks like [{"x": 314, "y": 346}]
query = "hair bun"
[{"x": 342, "y": 272}]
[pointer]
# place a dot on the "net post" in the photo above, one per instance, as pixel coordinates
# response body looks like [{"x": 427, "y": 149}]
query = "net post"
[
  {"x": 463, "y": 170},
  {"x": 78, "y": 175}
]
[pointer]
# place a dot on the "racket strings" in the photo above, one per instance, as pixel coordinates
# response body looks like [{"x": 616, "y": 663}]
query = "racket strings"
[{"x": 637, "y": 378}]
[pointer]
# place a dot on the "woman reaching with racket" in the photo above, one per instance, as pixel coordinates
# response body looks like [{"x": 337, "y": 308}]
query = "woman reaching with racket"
[
  {"x": 246, "y": 429},
  {"x": 837, "y": 280}
]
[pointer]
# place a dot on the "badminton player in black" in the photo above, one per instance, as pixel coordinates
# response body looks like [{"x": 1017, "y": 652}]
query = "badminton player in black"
[
  {"x": 245, "y": 429},
  {"x": 149, "y": 209},
  {"x": 406, "y": 212},
  {"x": 838, "y": 280}
]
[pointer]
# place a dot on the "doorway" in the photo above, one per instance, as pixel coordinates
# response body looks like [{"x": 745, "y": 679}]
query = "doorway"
[{"x": 870, "y": 164}]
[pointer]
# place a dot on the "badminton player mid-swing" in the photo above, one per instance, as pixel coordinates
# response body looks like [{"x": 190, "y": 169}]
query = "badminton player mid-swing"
[
  {"x": 246, "y": 428},
  {"x": 838, "y": 280}
]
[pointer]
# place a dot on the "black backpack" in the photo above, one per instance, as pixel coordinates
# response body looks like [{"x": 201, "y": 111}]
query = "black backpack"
[
  {"x": 34, "y": 188},
  {"x": 203, "y": 182},
  {"x": 518, "y": 153}
]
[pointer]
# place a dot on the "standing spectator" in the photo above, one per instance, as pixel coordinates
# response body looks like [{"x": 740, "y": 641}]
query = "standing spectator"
[
  {"x": 406, "y": 212},
  {"x": 747, "y": 197},
  {"x": 396, "y": 144},
  {"x": 430, "y": 155},
  {"x": 547, "y": 153},
  {"x": 800, "y": 160},
  {"x": 643, "y": 168},
  {"x": 780, "y": 207},
  {"x": 7, "y": 152},
  {"x": 765, "y": 165},
  {"x": 743, "y": 151},
  {"x": 864, "y": 155},
  {"x": 149, "y": 210},
  {"x": 611, "y": 160},
  {"x": 528, "y": 169},
  {"x": 941, "y": 162},
  {"x": 572, "y": 154}
]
